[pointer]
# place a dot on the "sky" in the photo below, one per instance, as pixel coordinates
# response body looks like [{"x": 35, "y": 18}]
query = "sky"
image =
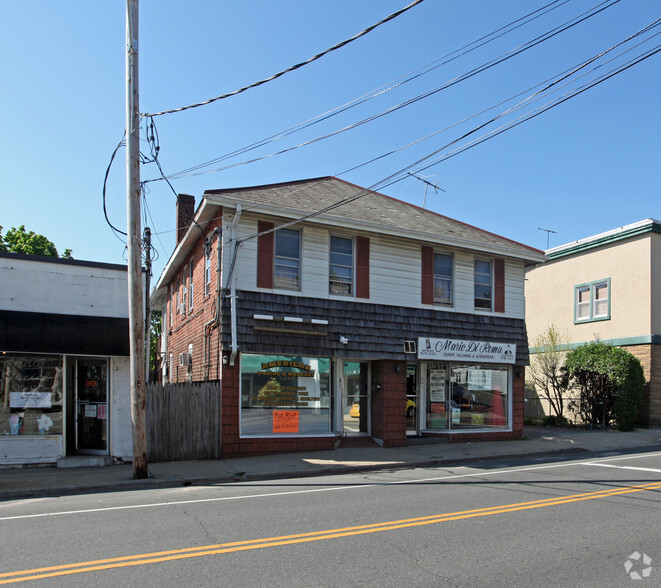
[{"x": 587, "y": 165}]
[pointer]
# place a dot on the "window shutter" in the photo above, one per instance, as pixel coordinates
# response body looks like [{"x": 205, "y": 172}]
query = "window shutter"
[
  {"x": 265, "y": 255},
  {"x": 362, "y": 267},
  {"x": 427, "y": 275},
  {"x": 499, "y": 285}
]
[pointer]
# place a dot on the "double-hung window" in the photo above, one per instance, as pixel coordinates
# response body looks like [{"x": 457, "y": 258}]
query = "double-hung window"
[
  {"x": 287, "y": 259},
  {"x": 341, "y": 266},
  {"x": 184, "y": 295},
  {"x": 483, "y": 281},
  {"x": 207, "y": 271},
  {"x": 443, "y": 278},
  {"x": 592, "y": 301},
  {"x": 190, "y": 286}
]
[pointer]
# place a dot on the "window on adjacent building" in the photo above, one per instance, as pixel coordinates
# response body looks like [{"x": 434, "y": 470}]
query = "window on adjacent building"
[
  {"x": 341, "y": 266},
  {"x": 287, "y": 259},
  {"x": 592, "y": 301},
  {"x": 443, "y": 278},
  {"x": 483, "y": 284}
]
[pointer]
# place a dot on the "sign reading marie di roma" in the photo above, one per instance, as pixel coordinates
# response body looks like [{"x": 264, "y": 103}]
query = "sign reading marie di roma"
[{"x": 458, "y": 350}]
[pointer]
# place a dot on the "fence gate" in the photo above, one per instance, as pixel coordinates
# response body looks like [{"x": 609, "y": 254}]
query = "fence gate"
[{"x": 183, "y": 421}]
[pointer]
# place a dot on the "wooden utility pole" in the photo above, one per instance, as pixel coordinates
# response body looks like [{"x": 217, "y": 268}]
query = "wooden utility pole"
[{"x": 136, "y": 303}]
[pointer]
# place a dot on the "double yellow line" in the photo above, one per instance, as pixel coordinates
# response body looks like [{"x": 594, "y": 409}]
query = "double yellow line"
[{"x": 173, "y": 555}]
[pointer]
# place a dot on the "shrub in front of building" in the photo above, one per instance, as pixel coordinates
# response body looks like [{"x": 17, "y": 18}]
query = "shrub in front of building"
[{"x": 610, "y": 381}]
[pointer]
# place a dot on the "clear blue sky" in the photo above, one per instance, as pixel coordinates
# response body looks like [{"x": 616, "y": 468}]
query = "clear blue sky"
[{"x": 588, "y": 165}]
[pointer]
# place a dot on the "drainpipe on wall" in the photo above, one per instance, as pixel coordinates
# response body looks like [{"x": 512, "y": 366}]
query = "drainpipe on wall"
[{"x": 235, "y": 345}]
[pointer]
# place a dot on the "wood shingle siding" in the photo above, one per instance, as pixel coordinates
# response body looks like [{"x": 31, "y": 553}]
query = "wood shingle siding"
[{"x": 375, "y": 331}]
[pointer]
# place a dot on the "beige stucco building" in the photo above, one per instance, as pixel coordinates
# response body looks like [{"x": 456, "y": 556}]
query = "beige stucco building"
[{"x": 605, "y": 287}]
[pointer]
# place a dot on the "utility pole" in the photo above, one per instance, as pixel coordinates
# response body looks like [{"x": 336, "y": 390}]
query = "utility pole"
[{"x": 136, "y": 304}]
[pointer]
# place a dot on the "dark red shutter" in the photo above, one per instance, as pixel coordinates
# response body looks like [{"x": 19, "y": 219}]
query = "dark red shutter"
[
  {"x": 362, "y": 267},
  {"x": 265, "y": 255},
  {"x": 428, "y": 275},
  {"x": 499, "y": 285}
]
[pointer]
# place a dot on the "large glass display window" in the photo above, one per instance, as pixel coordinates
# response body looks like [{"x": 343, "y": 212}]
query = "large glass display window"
[
  {"x": 469, "y": 396},
  {"x": 285, "y": 395},
  {"x": 31, "y": 394}
]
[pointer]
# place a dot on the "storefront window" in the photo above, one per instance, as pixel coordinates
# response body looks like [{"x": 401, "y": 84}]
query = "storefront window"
[
  {"x": 285, "y": 395},
  {"x": 31, "y": 392},
  {"x": 467, "y": 397}
]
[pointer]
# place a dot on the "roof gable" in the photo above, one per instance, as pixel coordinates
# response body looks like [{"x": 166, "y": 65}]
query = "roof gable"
[{"x": 329, "y": 200}]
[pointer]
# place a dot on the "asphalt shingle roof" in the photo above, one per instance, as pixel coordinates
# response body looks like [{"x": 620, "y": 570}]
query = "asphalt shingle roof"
[{"x": 346, "y": 204}]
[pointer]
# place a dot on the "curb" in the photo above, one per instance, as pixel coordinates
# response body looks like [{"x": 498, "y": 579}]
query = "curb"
[{"x": 154, "y": 483}]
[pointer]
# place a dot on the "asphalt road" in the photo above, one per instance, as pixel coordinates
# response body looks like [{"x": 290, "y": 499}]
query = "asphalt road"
[{"x": 544, "y": 523}]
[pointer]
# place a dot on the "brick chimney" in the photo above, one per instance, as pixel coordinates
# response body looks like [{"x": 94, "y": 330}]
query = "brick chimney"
[{"x": 185, "y": 213}]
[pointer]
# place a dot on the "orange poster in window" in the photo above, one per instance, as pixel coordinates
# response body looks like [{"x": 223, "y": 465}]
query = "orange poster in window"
[{"x": 285, "y": 421}]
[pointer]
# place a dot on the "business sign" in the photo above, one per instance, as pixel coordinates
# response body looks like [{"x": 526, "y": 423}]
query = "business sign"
[
  {"x": 30, "y": 399},
  {"x": 459, "y": 350}
]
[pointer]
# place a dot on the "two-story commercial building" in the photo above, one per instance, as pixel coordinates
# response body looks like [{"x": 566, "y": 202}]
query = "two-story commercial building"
[
  {"x": 605, "y": 287},
  {"x": 329, "y": 311}
]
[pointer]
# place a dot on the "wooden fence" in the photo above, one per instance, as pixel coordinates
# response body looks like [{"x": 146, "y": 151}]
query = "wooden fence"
[{"x": 183, "y": 421}]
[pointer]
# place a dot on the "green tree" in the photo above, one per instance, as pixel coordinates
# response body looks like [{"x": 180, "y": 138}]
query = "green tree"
[
  {"x": 547, "y": 373},
  {"x": 610, "y": 382},
  {"x": 154, "y": 340},
  {"x": 31, "y": 243}
]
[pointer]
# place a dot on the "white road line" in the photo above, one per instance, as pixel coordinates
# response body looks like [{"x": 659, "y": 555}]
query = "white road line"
[
  {"x": 610, "y": 465},
  {"x": 314, "y": 490}
]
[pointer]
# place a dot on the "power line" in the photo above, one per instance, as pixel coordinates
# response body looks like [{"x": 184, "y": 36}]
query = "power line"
[
  {"x": 404, "y": 79},
  {"x": 402, "y": 173},
  {"x": 293, "y": 67},
  {"x": 471, "y": 73}
]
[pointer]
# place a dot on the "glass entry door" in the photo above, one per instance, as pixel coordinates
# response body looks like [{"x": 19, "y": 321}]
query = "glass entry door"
[
  {"x": 355, "y": 399},
  {"x": 412, "y": 402},
  {"x": 92, "y": 406}
]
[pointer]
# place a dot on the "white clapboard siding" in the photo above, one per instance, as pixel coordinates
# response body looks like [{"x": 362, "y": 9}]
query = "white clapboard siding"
[
  {"x": 60, "y": 288},
  {"x": 395, "y": 270}
]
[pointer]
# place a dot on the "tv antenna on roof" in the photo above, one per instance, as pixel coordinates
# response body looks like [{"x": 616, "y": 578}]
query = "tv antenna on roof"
[
  {"x": 436, "y": 188},
  {"x": 548, "y": 234}
]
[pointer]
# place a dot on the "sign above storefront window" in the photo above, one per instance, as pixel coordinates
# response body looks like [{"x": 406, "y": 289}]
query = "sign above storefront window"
[{"x": 459, "y": 350}]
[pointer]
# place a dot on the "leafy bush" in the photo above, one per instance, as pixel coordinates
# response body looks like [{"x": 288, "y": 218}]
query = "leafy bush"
[
  {"x": 553, "y": 420},
  {"x": 610, "y": 381}
]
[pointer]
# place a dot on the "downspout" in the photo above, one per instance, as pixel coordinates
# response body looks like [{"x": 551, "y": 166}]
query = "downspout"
[{"x": 235, "y": 345}]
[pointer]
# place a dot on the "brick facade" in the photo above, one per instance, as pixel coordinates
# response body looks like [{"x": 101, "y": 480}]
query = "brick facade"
[
  {"x": 650, "y": 359},
  {"x": 196, "y": 325}
]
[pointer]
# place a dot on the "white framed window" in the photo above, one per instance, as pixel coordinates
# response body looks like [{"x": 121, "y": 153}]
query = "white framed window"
[
  {"x": 592, "y": 301},
  {"x": 287, "y": 259},
  {"x": 207, "y": 271},
  {"x": 184, "y": 295},
  {"x": 483, "y": 284},
  {"x": 443, "y": 278},
  {"x": 170, "y": 303},
  {"x": 190, "y": 286},
  {"x": 341, "y": 266}
]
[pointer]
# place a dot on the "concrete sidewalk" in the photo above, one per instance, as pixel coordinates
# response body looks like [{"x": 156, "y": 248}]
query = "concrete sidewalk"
[{"x": 537, "y": 442}]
